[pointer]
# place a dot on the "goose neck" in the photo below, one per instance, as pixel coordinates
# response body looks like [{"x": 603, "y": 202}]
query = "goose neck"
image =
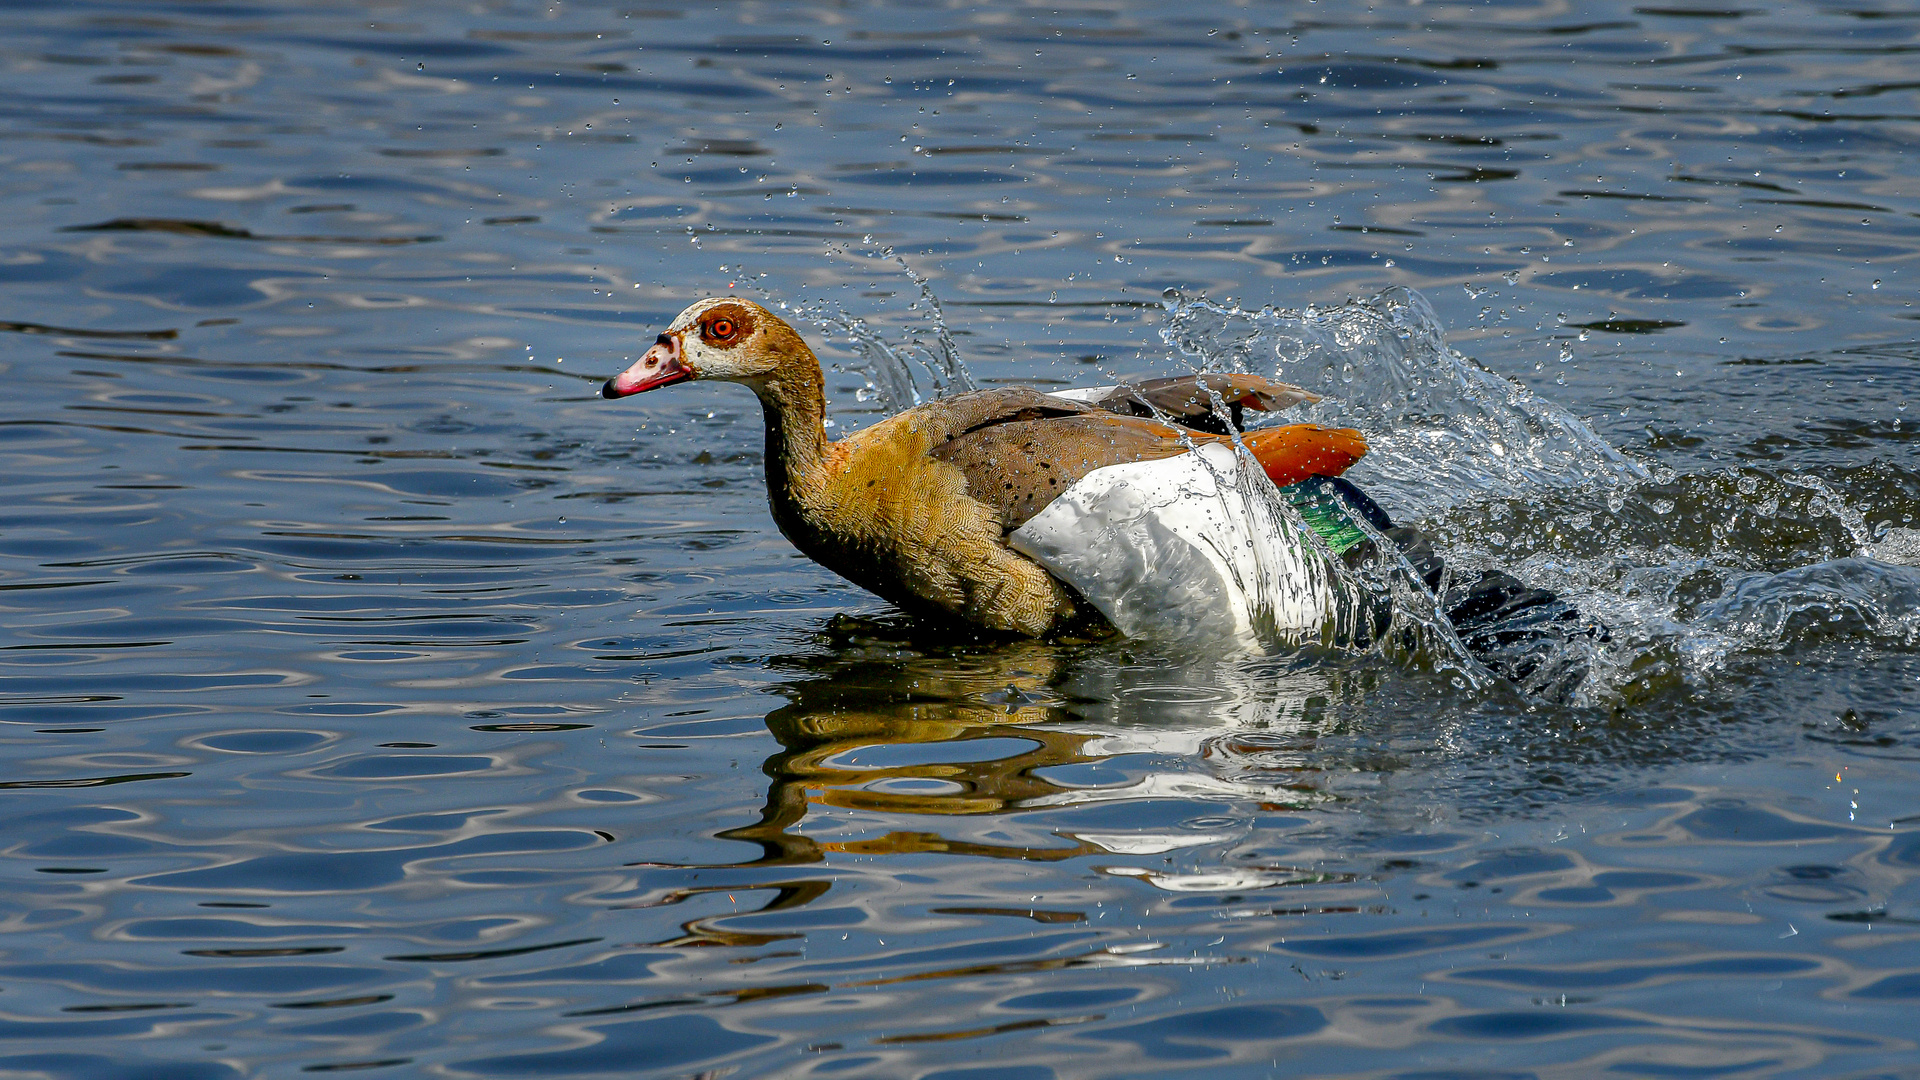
[{"x": 794, "y": 399}]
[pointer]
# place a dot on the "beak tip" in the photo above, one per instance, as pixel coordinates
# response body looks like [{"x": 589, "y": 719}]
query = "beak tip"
[{"x": 660, "y": 367}]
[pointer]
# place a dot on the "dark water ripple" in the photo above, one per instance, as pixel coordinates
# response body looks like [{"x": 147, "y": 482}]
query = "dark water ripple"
[{"x": 376, "y": 699}]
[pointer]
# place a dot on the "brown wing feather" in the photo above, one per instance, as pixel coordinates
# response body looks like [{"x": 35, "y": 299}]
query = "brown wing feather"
[
  {"x": 949, "y": 418},
  {"x": 1185, "y": 398},
  {"x": 1016, "y": 468}
]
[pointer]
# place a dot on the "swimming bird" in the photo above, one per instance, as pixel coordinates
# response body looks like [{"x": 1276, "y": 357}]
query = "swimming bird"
[{"x": 1025, "y": 511}]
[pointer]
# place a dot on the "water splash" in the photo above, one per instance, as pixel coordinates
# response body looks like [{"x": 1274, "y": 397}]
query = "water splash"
[
  {"x": 1689, "y": 572},
  {"x": 1443, "y": 429},
  {"x": 910, "y": 366},
  {"x": 1899, "y": 546},
  {"x": 1837, "y": 599},
  {"x": 1700, "y": 571}
]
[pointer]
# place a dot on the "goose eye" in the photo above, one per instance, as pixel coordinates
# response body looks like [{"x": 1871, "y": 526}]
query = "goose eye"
[{"x": 722, "y": 329}]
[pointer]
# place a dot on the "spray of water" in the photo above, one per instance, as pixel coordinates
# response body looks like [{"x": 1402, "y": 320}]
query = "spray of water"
[
  {"x": 1687, "y": 571},
  {"x": 907, "y": 367},
  {"x": 1502, "y": 478},
  {"x": 1443, "y": 429}
]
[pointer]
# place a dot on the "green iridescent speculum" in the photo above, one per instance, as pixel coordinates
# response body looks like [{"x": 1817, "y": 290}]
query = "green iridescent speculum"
[{"x": 1325, "y": 513}]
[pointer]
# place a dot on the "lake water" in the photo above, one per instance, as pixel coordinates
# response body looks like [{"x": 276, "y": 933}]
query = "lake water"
[{"x": 377, "y": 698}]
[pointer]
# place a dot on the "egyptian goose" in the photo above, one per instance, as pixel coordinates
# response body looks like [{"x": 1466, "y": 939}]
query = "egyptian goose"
[{"x": 1014, "y": 509}]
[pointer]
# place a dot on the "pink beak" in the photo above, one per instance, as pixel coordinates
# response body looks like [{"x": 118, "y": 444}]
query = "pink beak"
[{"x": 659, "y": 367}]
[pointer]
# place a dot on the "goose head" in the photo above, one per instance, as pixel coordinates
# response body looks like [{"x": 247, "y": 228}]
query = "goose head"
[{"x": 723, "y": 338}]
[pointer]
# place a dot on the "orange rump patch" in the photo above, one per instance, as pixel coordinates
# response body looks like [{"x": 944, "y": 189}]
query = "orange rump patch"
[{"x": 1292, "y": 453}]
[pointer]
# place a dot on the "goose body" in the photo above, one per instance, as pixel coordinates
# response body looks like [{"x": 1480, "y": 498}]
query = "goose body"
[{"x": 1025, "y": 511}]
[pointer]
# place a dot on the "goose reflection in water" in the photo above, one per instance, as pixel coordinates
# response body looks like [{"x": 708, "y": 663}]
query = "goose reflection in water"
[{"x": 877, "y": 735}]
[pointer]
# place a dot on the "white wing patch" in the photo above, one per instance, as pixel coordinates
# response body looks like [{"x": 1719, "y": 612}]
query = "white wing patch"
[
  {"x": 1180, "y": 550},
  {"x": 1082, "y": 393}
]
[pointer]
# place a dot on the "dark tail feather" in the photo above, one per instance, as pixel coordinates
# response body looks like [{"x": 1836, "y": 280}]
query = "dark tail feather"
[{"x": 1528, "y": 636}]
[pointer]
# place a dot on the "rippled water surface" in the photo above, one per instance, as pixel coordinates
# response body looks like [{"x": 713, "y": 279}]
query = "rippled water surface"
[{"x": 378, "y": 698}]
